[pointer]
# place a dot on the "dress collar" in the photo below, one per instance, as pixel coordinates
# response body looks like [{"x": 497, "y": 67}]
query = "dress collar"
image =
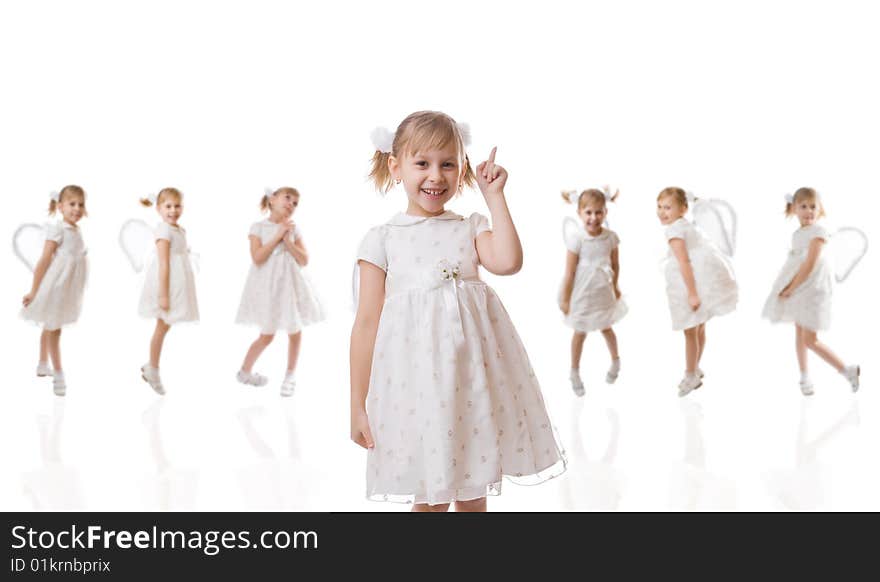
[{"x": 404, "y": 219}]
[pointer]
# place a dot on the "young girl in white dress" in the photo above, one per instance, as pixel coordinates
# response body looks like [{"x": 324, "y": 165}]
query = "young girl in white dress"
[
  {"x": 56, "y": 295},
  {"x": 590, "y": 297},
  {"x": 802, "y": 291},
  {"x": 277, "y": 295},
  {"x": 700, "y": 283},
  {"x": 169, "y": 294},
  {"x": 442, "y": 392}
]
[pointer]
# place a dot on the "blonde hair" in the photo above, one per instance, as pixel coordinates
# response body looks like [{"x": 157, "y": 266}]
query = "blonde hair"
[
  {"x": 69, "y": 190},
  {"x": 587, "y": 196},
  {"x": 419, "y": 132},
  {"x": 674, "y": 192},
  {"x": 264, "y": 201},
  {"x": 804, "y": 194},
  {"x": 163, "y": 193}
]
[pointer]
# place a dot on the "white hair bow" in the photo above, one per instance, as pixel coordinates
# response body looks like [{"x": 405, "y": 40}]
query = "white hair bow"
[
  {"x": 789, "y": 198},
  {"x": 465, "y": 130},
  {"x": 152, "y": 198},
  {"x": 268, "y": 191},
  {"x": 55, "y": 196},
  {"x": 382, "y": 139},
  {"x": 691, "y": 197}
]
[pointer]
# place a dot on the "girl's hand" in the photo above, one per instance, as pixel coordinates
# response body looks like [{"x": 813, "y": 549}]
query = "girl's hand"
[
  {"x": 694, "y": 301},
  {"x": 565, "y": 306},
  {"x": 617, "y": 292},
  {"x": 26, "y": 300},
  {"x": 785, "y": 293},
  {"x": 284, "y": 229},
  {"x": 360, "y": 429},
  {"x": 491, "y": 178},
  {"x": 164, "y": 303}
]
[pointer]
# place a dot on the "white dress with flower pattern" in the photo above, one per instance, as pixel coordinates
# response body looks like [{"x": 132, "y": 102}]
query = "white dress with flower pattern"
[
  {"x": 278, "y": 295},
  {"x": 810, "y": 304},
  {"x": 58, "y": 300},
  {"x": 453, "y": 402},
  {"x": 713, "y": 275},
  {"x": 594, "y": 305}
]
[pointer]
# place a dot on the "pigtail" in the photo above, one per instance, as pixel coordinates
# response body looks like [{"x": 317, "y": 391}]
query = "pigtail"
[
  {"x": 567, "y": 195},
  {"x": 379, "y": 172},
  {"x": 470, "y": 177},
  {"x": 146, "y": 201},
  {"x": 264, "y": 203},
  {"x": 53, "y": 206}
]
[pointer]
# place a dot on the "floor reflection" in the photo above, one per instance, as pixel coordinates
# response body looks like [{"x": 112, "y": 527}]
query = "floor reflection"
[
  {"x": 54, "y": 486},
  {"x": 168, "y": 487},
  {"x": 592, "y": 484}
]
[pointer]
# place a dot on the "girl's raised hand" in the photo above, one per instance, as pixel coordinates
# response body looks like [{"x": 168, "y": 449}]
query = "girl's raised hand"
[{"x": 491, "y": 177}]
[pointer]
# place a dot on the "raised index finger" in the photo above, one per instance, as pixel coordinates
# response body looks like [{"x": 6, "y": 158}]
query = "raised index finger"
[{"x": 492, "y": 155}]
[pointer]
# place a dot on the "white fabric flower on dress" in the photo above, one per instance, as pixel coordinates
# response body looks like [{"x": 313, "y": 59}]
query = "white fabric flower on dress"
[{"x": 448, "y": 271}]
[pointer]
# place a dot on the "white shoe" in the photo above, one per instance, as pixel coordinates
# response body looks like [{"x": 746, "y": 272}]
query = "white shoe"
[
  {"x": 151, "y": 377},
  {"x": 251, "y": 378},
  {"x": 613, "y": 371},
  {"x": 43, "y": 369},
  {"x": 577, "y": 385},
  {"x": 58, "y": 385},
  {"x": 700, "y": 373},
  {"x": 288, "y": 386},
  {"x": 851, "y": 373},
  {"x": 807, "y": 387},
  {"x": 689, "y": 384}
]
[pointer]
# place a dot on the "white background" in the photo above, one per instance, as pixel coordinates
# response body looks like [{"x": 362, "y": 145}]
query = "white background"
[{"x": 741, "y": 101}]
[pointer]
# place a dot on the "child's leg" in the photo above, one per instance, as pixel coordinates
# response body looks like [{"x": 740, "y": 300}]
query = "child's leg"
[
  {"x": 611, "y": 341},
  {"x": 811, "y": 340},
  {"x": 260, "y": 344},
  {"x": 691, "y": 349},
  {"x": 471, "y": 506},
  {"x": 44, "y": 346},
  {"x": 53, "y": 345},
  {"x": 577, "y": 348},
  {"x": 425, "y": 508},
  {"x": 157, "y": 341},
  {"x": 800, "y": 346},
  {"x": 701, "y": 342},
  {"x": 293, "y": 350}
]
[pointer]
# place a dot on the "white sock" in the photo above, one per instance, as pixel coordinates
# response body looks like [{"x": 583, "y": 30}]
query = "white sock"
[
  {"x": 291, "y": 375},
  {"x": 805, "y": 376},
  {"x": 615, "y": 366},
  {"x": 59, "y": 374}
]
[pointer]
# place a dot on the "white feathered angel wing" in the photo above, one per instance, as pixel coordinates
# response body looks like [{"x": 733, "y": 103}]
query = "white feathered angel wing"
[
  {"x": 572, "y": 232},
  {"x": 136, "y": 239},
  {"x": 28, "y": 242},
  {"x": 848, "y": 246},
  {"x": 718, "y": 220}
]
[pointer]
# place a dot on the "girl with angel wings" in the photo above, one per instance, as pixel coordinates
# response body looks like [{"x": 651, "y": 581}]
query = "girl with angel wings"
[
  {"x": 590, "y": 297},
  {"x": 700, "y": 283},
  {"x": 802, "y": 291},
  {"x": 169, "y": 292},
  {"x": 60, "y": 273}
]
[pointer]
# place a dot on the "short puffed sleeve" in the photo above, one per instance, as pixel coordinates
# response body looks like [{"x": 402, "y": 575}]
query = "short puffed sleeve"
[
  {"x": 677, "y": 229},
  {"x": 54, "y": 232},
  {"x": 613, "y": 239},
  {"x": 256, "y": 229},
  {"x": 163, "y": 231},
  {"x": 297, "y": 232},
  {"x": 819, "y": 231},
  {"x": 479, "y": 223},
  {"x": 372, "y": 248},
  {"x": 573, "y": 242}
]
